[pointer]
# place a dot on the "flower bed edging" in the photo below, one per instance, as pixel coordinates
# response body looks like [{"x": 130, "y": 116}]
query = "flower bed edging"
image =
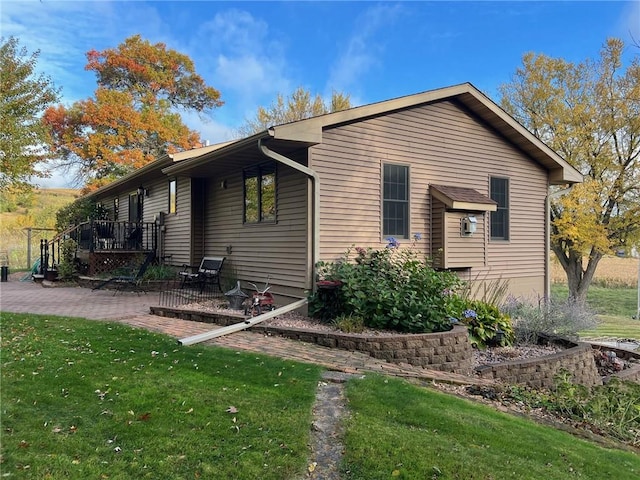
[
  {"x": 445, "y": 351},
  {"x": 540, "y": 371}
]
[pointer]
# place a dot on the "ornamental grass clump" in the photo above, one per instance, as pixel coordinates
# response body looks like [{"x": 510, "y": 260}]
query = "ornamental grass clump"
[
  {"x": 391, "y": 289},
  {"x": 548, "y": 316}
]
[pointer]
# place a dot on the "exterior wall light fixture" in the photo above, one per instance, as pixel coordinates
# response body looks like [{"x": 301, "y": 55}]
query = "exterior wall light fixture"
[{"x": 468, "y": 225}]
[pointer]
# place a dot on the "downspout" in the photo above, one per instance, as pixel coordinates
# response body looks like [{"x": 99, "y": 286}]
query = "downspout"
[{"x": 315, "y": 179}]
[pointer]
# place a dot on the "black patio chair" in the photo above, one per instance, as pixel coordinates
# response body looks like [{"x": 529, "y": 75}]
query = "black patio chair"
[
  {"x": 204, "y": 275},
  {"x": 131, "y": 282}
]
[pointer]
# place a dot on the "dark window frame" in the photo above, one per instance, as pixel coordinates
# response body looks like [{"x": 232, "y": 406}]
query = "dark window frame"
[
  {"x": 499, "y": 221},
  {"x": 396, "y": 206},
  {"x": 264, "y": 179}
]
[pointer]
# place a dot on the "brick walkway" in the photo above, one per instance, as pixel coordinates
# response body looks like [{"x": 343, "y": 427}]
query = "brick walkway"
[{"x": 133, "y": 309}]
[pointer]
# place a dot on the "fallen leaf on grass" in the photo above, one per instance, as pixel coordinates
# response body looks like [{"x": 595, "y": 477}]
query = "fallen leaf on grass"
[
  {"x": 312, "y": 466},
  {"x": 144, "y": 417}
]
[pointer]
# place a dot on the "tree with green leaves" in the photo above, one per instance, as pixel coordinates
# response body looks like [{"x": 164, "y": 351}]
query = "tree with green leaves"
[
  {"x": 297, "y": 106},
  {"x": 590, "y": 114},
  {"x": 24, "y": 95},
  {"x": 134, "y": 116}
]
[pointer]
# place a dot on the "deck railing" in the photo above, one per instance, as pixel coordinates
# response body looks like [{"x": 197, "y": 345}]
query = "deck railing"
[{"x": 100, "y": 236}]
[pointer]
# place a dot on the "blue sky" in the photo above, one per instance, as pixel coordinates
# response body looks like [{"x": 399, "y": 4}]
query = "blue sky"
[{"x": 251, "y": 51}]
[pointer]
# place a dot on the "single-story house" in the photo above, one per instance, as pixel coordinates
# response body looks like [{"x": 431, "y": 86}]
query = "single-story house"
[{"x": 447, "y": 163}]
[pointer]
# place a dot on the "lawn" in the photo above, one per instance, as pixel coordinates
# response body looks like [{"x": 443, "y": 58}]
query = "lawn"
[
  {"x": 398, "y": 430},
  {"x": 86, "y": 399},
  {"x": 614, "y": 307}
]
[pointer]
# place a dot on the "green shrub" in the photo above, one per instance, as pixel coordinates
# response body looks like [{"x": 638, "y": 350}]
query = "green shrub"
[
  {"x": 390, "y": 289},
  {"x": 79, "y": 211},
  {"x": 349, "y": 323},
  {"x": 66, "y": 266},
  {"x": 487, "y": 325}
]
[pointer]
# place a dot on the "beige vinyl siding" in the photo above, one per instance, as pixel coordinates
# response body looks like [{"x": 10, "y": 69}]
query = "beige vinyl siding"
[
  {"x": 437, "y": 234},
  {"x": 156, "y": 201},
  {"x": 442, "y": 144},
  {"x": 276, "y": 250},
  {"x": 462, "y": 251},
  {"x": 177, "y": 234}
]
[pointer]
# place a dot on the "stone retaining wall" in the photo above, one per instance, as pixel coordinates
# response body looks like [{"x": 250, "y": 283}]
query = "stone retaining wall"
[
  {"x": 445, "y": 351},
  {"x": 540, "y": 371}
]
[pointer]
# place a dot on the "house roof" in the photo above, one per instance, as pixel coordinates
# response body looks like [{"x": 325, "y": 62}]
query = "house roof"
[
  {"x": 460, "y": 198},
  {"x": 163, "y": 161},
  {"x": 308, "y": 132},
  {"x": 560, "y": 171}
]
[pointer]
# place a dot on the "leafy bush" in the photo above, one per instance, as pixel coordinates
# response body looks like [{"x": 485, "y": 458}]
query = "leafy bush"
[
  {"x": 391, "y": 289},
  {"x": 79, "y": 211},
  {"x": 66, "y": 266},
  {"x": 487, "y": 325},
  {"x": 548, "y": 316},
  {"x": 349, "y": 323}
]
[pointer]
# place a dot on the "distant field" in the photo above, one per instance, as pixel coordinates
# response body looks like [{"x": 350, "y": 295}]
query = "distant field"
[
  {"x": 20, "y": 212},
  {"x": 612, "y": 272}
]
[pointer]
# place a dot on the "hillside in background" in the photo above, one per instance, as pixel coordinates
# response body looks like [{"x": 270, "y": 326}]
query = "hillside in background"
[{"x": 35, "y": 210}]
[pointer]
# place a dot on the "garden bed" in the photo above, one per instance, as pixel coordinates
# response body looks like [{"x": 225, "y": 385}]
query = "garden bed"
[
  {"x": 445, "y": 351},
  {"x": 532, "y": 365}
]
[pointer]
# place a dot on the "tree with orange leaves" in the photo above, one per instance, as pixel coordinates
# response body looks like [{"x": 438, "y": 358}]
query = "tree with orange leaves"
[{"x": 133, "y": 117}]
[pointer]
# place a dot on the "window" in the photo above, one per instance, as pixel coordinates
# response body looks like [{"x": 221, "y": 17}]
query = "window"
[
  {"x": 260, "y": 194},
  {"x": 172, "y": 196},
  {"x": 500, "y": 218},
  {"x": 116, "y": 208},
  {"x": 395, "y": 199}
]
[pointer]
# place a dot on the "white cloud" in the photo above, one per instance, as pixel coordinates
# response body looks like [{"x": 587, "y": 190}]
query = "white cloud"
[
  {"x": 209, "y": 128},
  {"x": 245, "y": 62},
  {"x": 363, "y": 49}
]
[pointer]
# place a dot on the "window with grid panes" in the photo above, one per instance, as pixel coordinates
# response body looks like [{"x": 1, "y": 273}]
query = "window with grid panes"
[
  {"x": 395, "y": 201},
  {"x": 499, "y": 191}
]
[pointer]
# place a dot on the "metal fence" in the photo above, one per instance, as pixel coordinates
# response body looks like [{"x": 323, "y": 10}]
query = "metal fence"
[{"x": 177, "y": 295}]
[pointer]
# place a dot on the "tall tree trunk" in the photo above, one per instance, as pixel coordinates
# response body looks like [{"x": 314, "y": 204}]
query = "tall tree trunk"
[{"x": 578, "y": 278}]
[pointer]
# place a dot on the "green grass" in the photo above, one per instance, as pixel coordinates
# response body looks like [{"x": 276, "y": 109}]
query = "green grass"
[
  {"x": 615, "y": 308},
  {"x": 398, "y": 430},
  {"x": 85, "y": 399},
  {"x": 622, "y": 302},
  {"x": 614, "y": 327}
]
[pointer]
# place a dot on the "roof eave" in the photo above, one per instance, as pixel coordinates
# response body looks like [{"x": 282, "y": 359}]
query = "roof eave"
[
  {"x": 563, "y": 176},
  {"x": 189, "y": 164},
  {"x": 130, "y": 178}
]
